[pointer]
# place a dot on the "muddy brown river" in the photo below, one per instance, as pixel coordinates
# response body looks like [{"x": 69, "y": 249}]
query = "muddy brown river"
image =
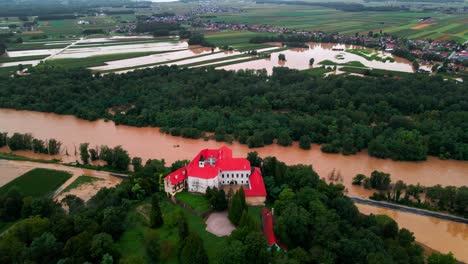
[{"x": 150, "y": 143}]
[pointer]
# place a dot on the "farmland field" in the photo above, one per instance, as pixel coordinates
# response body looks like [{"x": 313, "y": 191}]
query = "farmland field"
[
  {"x": 37, "y": 182},
  {"x": 314, "y": 18}
]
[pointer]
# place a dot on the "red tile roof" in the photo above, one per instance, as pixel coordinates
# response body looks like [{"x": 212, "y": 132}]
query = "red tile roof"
[
  {"x": 177, "y": 176},
  {"x": 233, "y": 164},
  {"x": 267, "y": 225},
  {"x": 224, "y": 162},
  {"x": 257, "y": 186},
  {"x": 268, "y": 232},
  {"x": 207, "y": 172}
]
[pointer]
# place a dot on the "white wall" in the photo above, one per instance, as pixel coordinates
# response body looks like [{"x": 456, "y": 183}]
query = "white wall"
[
  {"x": 232, "y": 176},
  {"x": 199, "y": 185}
]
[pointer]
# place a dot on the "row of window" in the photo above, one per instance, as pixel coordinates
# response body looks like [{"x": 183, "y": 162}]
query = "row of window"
[
  {"x": 228, "y": 182},
  {"x": 228, "y": 175}
]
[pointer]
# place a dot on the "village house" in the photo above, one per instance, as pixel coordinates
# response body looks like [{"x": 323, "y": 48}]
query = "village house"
[{"x": 216, "y": 168}]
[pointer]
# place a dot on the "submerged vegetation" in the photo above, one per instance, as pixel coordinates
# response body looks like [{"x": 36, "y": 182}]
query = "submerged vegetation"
[
  {"x": 403, "y": 119},
  {"x": 394, "y": 119}
]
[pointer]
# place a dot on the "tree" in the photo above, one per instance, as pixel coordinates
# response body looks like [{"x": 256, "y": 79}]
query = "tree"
[
  {"x": 311, "y": 61},
  {"x": 254, "y": 159},
  {"x": 12, "y": 204},
  {"x": 94, "y": 154},
  {"x": 84, "y": 154},
  {"x": 54, "y": 146},
  {"x": 284, "y": 139},
  {"x": 153, "y": 248},
  {"x": 415, "y": 65},
  {"x": 281, "y": 57},
  {"x": 304, "y": 142},
  {"x": 256, "y": 249},
  {"x": 193, "y": 251},
  {"x": 237, "y": 206},
  {"x": 380, "y": 180},
  {"x": 113, "y": 221},
  {"x": 232, "y": 253},
  {"x": 182, "y": 227},
  {"x": 156, "y": 219},
  {"x": 101, "y": 245},
  {"x": 44, "y": 249},
  {"x": 79, "y": 247},
  {"x": 136, "y": 163},
  {"x": 121, "y": 159},
  {"x": 357, "y": 180},
  {"x": 439, "y": 258}
]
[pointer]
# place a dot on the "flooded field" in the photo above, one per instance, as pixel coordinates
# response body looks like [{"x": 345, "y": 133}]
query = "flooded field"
[
  {"x": 298, "y": 58},
  {"x": 10, "y": 172},
  {"x": 444, "y": 236},
  {"x": 113, "y": 49},
  {"x": 88, "y": 190},
  {"x": 155, "y": 58},
  {"x": 150, "y": 143}
]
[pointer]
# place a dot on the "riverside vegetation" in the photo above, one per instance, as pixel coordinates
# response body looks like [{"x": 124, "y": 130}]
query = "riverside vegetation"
[
  {"x": 402, "y": 118},
  {"x": 315, "y": 220}
]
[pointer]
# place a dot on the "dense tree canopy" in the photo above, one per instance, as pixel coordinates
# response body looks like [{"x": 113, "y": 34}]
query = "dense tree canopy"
[{"x": 402, "y": 119}]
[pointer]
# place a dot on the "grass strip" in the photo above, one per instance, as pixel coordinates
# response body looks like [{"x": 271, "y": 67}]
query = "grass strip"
[
  {"x": 22, "y": 58},
  {"x": 37, "y": 182},
  {"x": 8, "y": 156}
]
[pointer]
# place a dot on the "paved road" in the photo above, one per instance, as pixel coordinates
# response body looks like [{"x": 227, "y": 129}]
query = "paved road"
[{"x": 412, "y": 210}]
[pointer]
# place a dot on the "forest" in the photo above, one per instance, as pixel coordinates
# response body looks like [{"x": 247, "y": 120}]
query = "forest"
[
  {"x": 315, "y": 220},
  {"x": 399, "y": 118}
]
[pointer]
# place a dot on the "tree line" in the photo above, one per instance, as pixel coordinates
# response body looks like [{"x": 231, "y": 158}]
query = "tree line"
[
  {"x": 116, "y": 158},
  {"x": 404, "y": 119},
  {"x": 26, "y": 141},
  {"x": 450, "y": 199},
  {"x": 315, "y": 220},
  {"x": 319, "y": 224}
]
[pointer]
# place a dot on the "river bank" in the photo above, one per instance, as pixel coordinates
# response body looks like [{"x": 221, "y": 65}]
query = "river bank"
[{"x": 150, "y": 143}]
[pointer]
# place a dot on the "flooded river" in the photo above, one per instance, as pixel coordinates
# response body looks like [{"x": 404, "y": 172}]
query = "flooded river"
[
  {"x": 298, "y": 58},
  {"x": 150, "y": 143},
  {"x": 441, "y": 235}
]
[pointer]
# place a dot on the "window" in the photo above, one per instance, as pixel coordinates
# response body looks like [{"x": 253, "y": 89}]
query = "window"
[
  {"x": 242, "y": 182},
  {"x": 237, "y": 175}
]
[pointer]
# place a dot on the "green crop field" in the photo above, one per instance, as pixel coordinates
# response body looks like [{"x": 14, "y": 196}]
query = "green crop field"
[
  {"x": 314, "y": 18},
  {"x": 37, "y": 182},
  {"x": 234, "y": 38}
]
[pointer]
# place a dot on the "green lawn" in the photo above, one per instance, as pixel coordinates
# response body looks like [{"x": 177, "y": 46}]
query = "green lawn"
[
  {"x": 196, "y": 201},
  {"x": 132, "y": 246},
  {"x": 80, "y": 181},
  {"x": 37, "y": 182},
  {"x": 318, "y": 72}
]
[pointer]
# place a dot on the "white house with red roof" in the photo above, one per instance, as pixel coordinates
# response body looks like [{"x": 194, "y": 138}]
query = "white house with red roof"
[{"x": 217, "y": 168}]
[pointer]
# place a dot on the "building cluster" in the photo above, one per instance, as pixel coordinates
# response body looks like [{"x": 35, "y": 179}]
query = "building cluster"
[{"x": 216, "y": 168}]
